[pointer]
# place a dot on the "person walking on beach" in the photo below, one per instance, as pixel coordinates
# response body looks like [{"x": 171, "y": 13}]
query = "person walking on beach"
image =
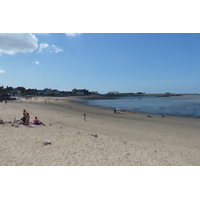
[{"x": 85, "y": 117}]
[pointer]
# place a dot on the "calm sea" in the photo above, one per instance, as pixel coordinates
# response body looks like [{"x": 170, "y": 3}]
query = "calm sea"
[{"x": 186, "y": 106}]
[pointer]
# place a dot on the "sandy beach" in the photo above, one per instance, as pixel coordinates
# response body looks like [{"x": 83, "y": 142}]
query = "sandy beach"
[{"x": 103, "y": 139}]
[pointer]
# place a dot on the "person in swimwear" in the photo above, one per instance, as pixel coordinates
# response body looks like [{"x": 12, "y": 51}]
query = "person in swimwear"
[
  {"x": 27, "y": 119},
  {"x": 24, "y": 114},
  {"x": 36, "y": 121}
]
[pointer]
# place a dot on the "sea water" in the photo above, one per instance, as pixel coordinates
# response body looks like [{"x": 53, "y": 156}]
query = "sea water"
[{"x": 186, "y": 105}]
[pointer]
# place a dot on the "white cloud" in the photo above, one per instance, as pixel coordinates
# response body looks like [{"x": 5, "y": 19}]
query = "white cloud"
[
  {"x": 72, "y": 34},
  {"x": 43, "y": 46},
  {"x": 12, "y": 43},
  {"x": 55, "y": 49},
  {"x": 37, "y": 62},
  {"x": 52, "y": 48},
  {"x": 2, "y": 71}
]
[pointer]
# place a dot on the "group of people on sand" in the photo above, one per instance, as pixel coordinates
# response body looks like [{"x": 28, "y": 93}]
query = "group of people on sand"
[{"x": 26, "y": 118}]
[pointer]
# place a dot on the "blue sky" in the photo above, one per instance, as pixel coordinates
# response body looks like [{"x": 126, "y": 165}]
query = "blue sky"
[{"x": 103, "y": 62}]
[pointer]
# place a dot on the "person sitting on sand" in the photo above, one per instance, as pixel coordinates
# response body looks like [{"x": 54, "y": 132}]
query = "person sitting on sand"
[{"x": 36, "y": 121}]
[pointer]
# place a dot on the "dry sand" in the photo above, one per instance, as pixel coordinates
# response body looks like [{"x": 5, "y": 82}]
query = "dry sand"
[{"x": 103, "y": 139}]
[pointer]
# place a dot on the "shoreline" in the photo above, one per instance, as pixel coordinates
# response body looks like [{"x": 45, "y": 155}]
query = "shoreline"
[
  {"x": 76, "y": 98},
  {"x": 103, "y": 139}
]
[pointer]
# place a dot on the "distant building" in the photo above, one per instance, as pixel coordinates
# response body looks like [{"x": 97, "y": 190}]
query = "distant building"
[
  {"x": 16, "y": 92},
  {"x": 94, "y": 93},
  {"x": 33, "y": 92},
  {"x": 48, "y": 92},
  {"x": 41, "y": 92},
  {"x": 80, "y": 92},
  {"x": 21, "y": 91},
  {"x": 5, "y": 97},
  {"x": 65, "y": 93},
  {"x": 69, "y": 93},
  {"x": 55, "y": 92}
]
